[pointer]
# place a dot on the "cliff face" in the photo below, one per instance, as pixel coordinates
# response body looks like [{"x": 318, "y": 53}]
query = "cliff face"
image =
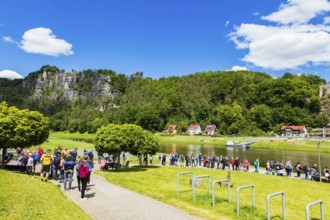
[{"x": 70, "y": 86}]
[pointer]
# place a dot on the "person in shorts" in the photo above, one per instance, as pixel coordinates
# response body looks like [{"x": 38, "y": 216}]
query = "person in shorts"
[{"x": 46, "y": 160}]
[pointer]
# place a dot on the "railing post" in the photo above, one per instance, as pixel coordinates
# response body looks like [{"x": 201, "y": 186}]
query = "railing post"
[
  {"x": 268, "y": 204},
  {"x": 194, "y": 183},
  {"x": 213, "y": 190},
  {"x": 312, "y": 204},
  {"x": 237, "y": 196},
  {"x": 178, "y": 180}
]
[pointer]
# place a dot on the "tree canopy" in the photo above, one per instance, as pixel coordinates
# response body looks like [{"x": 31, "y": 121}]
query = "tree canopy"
[
  {"x": 21, "y": 128},
  {"x": 115, "y": 138}
]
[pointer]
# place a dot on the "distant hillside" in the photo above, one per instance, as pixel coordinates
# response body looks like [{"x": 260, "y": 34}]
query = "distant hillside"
[{"x": 238, "y": 103}]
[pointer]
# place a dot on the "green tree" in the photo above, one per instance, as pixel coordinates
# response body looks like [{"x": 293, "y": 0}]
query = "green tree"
[
  {"x": 114, "y": 139},
  {"x": 21, "y": 128}
]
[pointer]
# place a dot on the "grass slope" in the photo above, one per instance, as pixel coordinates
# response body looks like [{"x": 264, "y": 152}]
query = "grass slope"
[
  {"x": 22, "y": 197},
  {"x": 160, "y": 183}
]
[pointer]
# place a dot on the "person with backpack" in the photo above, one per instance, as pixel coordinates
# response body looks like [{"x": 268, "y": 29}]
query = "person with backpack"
[
  {"x": 69, "y": 164},
  {"x": 84, "y": 168},
  {"x": 57, "y": 162},
  {"x": 46, "y": 160}
]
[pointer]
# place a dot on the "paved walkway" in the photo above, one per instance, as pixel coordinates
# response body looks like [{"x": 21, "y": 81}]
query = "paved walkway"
[{"x": 108, "y": 201}]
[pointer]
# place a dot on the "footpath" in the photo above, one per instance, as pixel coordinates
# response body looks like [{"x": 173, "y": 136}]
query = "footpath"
[{"x": 108, "y": 201}]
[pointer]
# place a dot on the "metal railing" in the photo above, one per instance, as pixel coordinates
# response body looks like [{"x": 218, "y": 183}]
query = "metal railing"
[
  {"x": 178, "y": 179},
  {"x": 213, "y": 190},
  {"x": 283, "y": 204},
  {"x": 194, "y": 184},
  {"x": 237, "y": 196},
  {"x": 312, "y": 204}
]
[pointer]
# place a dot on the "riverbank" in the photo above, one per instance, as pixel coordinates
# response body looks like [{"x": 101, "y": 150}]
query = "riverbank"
[{"x": 284, "y": 144}]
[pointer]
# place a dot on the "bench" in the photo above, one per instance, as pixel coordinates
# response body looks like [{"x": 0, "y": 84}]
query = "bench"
[{"x": 114, "y": 165}]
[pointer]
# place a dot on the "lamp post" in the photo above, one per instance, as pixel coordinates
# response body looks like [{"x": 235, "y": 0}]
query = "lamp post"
[{"x": 318, "y": 152}]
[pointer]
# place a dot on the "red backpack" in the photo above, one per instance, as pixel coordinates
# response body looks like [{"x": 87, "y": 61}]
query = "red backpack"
[{"x": 83, "y": 171}]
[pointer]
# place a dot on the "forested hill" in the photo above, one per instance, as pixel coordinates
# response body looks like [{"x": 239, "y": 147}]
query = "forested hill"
[{"x": 238, "y": 103}]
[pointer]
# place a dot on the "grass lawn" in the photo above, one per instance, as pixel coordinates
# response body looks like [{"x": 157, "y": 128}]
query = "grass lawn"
[
  {"x": 160, "y": 183},
  {"x": 22, "y": 197}
]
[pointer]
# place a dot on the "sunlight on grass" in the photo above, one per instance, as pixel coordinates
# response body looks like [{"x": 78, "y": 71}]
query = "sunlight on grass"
[
  {"x": 160, "y": 183},
  {"x": 22, "y": 197}
]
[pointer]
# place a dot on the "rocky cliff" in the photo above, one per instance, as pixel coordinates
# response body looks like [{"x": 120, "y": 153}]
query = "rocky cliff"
[{"x": 65, "y": 85}]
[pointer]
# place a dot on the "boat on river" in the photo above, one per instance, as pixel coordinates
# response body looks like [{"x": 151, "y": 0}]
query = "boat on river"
[{"x": 235, "y": 144}]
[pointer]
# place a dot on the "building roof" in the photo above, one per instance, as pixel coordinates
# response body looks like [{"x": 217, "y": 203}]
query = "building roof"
[
  {"x": 193, "y": 127},
  {"x": 294, "y": 127},
  {"x": 173, "y": 127},
  {"x": 210, "y": 128}
]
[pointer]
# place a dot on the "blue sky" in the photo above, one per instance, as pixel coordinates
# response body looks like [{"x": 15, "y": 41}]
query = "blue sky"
[{"x": 166, "y": 37}]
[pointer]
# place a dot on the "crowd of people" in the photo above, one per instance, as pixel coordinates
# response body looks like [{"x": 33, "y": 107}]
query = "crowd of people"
[
  {"x": 61, "y": 165},
  {"x": 279, "y": 168}
]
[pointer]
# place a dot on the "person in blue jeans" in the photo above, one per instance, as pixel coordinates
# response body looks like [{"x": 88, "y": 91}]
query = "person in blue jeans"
[
  {"x": 256, "y": 165},
  {"x": 69, "y": 164}
]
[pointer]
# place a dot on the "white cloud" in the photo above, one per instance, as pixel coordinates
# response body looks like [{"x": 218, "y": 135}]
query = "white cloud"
[
  {"x": 326, "y": 20},
  {"x": 237, "y": 68},
  {"x": 8, "y": 39},
  {"x": 227, "y": 23},
  {"x": 10, "y": 74},
  {"x": 43, "y": 41},
  {"x": 298, "y": 11},
  {"x": 286, "y": 46},
  {"x": 256, "y": 13}
]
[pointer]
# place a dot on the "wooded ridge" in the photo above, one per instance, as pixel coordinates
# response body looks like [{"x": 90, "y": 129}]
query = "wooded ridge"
[{"x": 237, "y": 102}]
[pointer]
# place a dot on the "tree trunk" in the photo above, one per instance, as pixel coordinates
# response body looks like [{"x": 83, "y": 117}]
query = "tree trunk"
[
  {"x": 3, "y": 158},
  {"x": 146, "y": 156}
]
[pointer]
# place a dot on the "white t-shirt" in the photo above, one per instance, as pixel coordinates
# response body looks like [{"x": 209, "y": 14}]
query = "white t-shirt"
[{"x": 29, "y": 162}]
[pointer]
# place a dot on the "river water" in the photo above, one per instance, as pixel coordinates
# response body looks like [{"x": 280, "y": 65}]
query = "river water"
[{"x": 251, "y": 154}]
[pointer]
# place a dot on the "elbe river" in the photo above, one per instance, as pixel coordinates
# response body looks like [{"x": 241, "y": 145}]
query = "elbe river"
[{"x": 309, "y": 158}]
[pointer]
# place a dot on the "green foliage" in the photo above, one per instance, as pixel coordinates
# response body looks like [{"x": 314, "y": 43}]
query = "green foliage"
[
  {"x": 115, "y": 138},
  {"x": 21, "y": 128},
  {"x": 237, "y": 102}
]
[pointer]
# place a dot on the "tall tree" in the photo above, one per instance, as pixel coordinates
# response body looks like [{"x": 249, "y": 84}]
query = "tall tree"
[{"x": 21, "y": 128}]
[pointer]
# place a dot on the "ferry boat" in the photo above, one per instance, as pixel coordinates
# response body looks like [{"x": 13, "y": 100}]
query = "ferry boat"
[{"x": 236, "y": 144}]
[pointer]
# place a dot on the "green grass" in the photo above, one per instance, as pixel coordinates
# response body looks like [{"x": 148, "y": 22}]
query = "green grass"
[
  {"x": 160, "y": 183},
  {"x": 22, "y": 197}
]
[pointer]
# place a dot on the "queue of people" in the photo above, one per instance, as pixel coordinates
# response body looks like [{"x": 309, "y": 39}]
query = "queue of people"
[{"x": 60, "y": 166}]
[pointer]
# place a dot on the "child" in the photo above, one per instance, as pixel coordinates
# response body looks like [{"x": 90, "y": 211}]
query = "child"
[
  {"x": 103, "y": 162},
  {"x": 29, "y": 165}
]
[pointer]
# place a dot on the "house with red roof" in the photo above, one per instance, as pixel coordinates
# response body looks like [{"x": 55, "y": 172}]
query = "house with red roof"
[
  {"x": 173, "y": 129},
  {"x": 194, "y": 129},
  {"x": 210, "y": 129},
  {"x": 293, "y": 131}
]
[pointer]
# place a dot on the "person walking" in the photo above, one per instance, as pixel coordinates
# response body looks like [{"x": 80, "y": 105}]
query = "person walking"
[
  {"x": 46, "y": 160},
  {"x": 84, "y": 167},
  {"x": 69, "y": 164}
]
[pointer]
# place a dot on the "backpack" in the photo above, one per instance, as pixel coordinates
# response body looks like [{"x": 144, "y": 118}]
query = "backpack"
[
  {"x": 57, "y": 161},
  {"x": 46, "y": 159},
  {"x": 83, "y": 171}
]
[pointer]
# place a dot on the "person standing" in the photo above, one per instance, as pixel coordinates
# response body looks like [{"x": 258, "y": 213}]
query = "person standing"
[
  {"x": 69, "y": 164},
  {"x": 256, "y": 165},
  {"x": 46, "y": 160},
  {"x": 298, "y": 169},
  {"x": 29, "y": 165},
  {"x": 84, "y": 167}
]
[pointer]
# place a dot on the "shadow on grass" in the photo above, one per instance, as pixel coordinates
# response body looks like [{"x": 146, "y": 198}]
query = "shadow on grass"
[{"x": 136, "y": 168}]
